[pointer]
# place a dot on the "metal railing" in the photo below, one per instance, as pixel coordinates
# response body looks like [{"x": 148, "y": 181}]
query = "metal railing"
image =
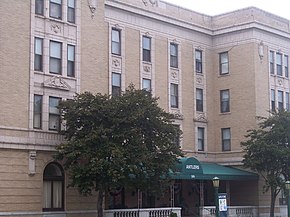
[{"x": 150, "y": 212}]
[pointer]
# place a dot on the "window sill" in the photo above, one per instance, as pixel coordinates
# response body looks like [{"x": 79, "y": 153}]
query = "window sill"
[{"x": 225, "y": 113}]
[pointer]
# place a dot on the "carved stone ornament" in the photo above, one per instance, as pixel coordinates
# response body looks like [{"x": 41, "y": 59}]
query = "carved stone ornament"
[
  {"x": 178, "y": 115},
  {"x": 174, "y": 74},
  {"x": 56, "y": 28},
  {"x": 93, "y": 7},
  {"x": 280, "y": 82},
  {"x": 31, "y": 163},
  {"x": 200, "y": 118},
  {"x": 199, "y": 80},
  {"x": 116, "y": 63},
  {"x": 146, "y": 68},
  {"x": 56, "y": 82},
  {"x": 152, "y": 2}
]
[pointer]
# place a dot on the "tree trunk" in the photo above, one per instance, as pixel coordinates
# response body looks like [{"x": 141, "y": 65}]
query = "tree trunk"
[
  {"x": 273, "y": 199},
  {"x": 100, "y": 203}
]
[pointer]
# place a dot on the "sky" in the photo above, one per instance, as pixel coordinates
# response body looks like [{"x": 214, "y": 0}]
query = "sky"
[{"x": 215, "y": 7}]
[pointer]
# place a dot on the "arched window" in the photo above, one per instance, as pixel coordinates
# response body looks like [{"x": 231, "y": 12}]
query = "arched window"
[{"x": 53, "y": 188}]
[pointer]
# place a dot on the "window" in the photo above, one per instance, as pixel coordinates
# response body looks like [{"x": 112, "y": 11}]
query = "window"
[
  {"x": 116, "y": 41},
  {"x": 272, "y": 68},
  {"x": 38, "y": 44},
  {"x": 39, "y": 7},
  {"x": 226, "y": 139},
  {"x": 280, "y": 100},
  {"x": 70, "y": 60},
  {"x": 54, "y": 115},
  {"x": 279, "y": 64},
  {"x": 55, "y": 9},
  {"x": 199, "y": 100},
  {"x": 116, "y": 84},
  {"x": 146, "y": 45},
  {"x": 224, "y": 63},
  {"x": 286, "y": 68},
  {"x": 55, "y": 57},
  {"x": 198, "y": 61},
  {"x": 173, "y": 55},
  {"x": 53, "y": 188},
  {"x": 37, "y": 112},
  {"x": 225, "y": 100},
  {"x": 71, "y": 11},
  {"x": 146, "y": 84},
  {"x": 273, "y": 100},
  {"x": 287, "y": 101},
  {"x": 200, "y": 138},
  {"x": 174, "y": 95},
  {"x": 177, "y": 136}
]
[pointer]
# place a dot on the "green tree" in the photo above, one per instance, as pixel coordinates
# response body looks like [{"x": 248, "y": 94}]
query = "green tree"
[
  {"x": 268, "y": 153},
  {"x": 124, "y": 141}
]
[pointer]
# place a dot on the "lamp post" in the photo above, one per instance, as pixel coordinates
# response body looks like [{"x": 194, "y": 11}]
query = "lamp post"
[
  {"x": 216, "y": 183},
  {"x": 287, "y": 185}
]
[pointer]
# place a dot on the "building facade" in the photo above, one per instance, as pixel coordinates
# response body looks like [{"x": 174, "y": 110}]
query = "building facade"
[{"x": 215, "y": 73}]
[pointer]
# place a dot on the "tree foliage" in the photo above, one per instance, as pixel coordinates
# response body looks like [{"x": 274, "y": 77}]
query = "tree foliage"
[
  {"x": 268, "y": 153},
  {"x": 117, "y": 141}
]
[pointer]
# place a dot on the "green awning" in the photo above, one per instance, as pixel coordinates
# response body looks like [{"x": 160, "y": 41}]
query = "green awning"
[{"x": 191, "y": 168}]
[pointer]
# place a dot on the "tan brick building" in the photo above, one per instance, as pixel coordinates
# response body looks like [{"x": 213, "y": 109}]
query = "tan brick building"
[{"x": 216, "y": 73}]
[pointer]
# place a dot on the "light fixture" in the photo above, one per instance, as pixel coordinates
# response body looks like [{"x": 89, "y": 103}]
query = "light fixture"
[{"x": 216, "y": 182}]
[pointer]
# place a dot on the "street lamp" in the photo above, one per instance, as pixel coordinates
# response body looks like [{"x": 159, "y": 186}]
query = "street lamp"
[
  {"x": 216, "y": 183},
  {"x": 287, "y": 185}
]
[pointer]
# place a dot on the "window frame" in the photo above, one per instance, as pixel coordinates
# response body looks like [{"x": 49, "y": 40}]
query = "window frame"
[
  {"x": 116, "y": 89},
  {"x": 279, "y": 64},
  {"x": 173, "y": 55},
  {"x": 199, "y": 100},
  {"x": 116, "y": 45},
  {"x": 53, "y": 115},
  {"x": 174, "y": 95},
  {"x": 54, "y": 59},
  {"x": 70, "y": 62},
  {"x": 198, "y": 61},
  {"x": 200, "y": 138},
  {"x": 222, "y": 64},
  {"x": 71, "y": 10},
  {"x": 273, "y": 100},
  {"x": 39, "y": 7},
  {"x": 286, "y": 66},
  {"x": 287, "y": 103},
  {"x": 38, "y": 57},
  {"x": 223, "y": 101},
  {"x": 145, "y": 87},
  {"x": 280, "y": 100},
  {"x": 146, "y": 51},
  {"x": 37, "y": 110},
  {"x": 226, "y": 147},
  {"x": 272, "y": 62},
  {"x": 54, "y": 4},
  {"x": 54, "y": 179}
]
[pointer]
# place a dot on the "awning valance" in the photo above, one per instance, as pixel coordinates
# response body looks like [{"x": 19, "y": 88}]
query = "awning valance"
[{"x": 191, "y": 168}]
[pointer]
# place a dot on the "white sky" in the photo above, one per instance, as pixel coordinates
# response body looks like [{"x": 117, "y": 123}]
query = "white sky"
[{"x": 214, "y": 7}]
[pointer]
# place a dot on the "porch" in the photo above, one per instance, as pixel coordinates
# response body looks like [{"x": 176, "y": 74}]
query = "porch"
[{"x": 207, "y": 211}]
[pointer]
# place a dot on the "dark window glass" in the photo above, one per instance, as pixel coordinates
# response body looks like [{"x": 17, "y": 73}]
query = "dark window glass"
[
  {"x": 273, "y": 100},
  {"x": 116, "y": 84},
  {"x": 199, "y": 100},
  {"x": 224, "y": 63},
  {"x": 279, "y": 64},
  {"x": 116, "y": 41},
  {"x": 39, "y": 7},
  {"x": 173, "y": 55},
  {"x": 174, "y": 95},
  {"x": 55, "y": 57},
  {"x": 37, "y": 112},
  {"x": 226, "y": 139},
  {"x": 286, "y": 68},
  {"x": 225, "y": 100},
  {"x": 198, "y": 61},
  {"x": 55, "y": 7},
  {"x": 53, "y": 188},
  {"x": 54, "y": 115},
  {"x": 200, "y": 138},
  {"x": 146, "y": 45},
  {"x": 71, "y": 11},
  {"x": 71, "y": 61},
  {"x": 38, "y": 54},
  {"x": 280, "y": 100}
]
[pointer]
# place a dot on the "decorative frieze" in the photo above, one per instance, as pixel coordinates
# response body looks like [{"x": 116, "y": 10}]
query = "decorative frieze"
[
  {"x": 153, "y": 3},
  {"x": 56, "y": 28},
  {"x": 116, "y": 63},
  {"x": 200, "y": 118},
  {"x": 56, "y": 82}
]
